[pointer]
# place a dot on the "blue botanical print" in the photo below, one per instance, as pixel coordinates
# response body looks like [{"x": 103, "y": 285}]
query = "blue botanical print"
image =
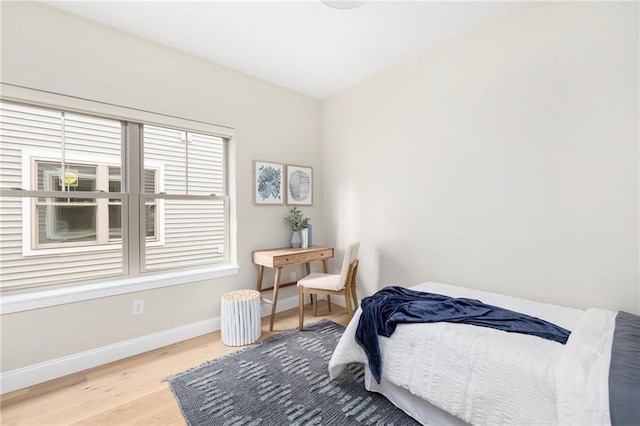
[{"x": 269, "y": 180}]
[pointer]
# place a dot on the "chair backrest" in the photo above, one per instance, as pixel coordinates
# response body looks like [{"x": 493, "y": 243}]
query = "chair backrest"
[{"x": 350, "y": 254}]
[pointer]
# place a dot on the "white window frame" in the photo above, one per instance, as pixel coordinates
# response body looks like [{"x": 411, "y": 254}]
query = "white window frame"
[{"x": 57, "y": 296}]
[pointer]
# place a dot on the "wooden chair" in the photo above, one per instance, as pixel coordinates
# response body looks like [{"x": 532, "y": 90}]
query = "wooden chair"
[{"x": 342, "y": 284}]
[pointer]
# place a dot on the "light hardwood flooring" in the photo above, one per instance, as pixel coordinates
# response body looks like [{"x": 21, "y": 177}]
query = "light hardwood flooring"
[{"x": 131, "y": 391}]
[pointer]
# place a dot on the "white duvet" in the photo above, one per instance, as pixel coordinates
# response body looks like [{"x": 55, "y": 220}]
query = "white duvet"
[{"x": 486, "y": 376}]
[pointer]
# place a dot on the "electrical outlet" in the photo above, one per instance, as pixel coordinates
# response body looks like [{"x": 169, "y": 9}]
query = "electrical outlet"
[
  {"x": 294, "y": 277},
  {"x": 138, "y": 307}
]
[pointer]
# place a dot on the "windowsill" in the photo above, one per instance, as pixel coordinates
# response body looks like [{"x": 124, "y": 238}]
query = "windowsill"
[{"x": 59, "y": 296}]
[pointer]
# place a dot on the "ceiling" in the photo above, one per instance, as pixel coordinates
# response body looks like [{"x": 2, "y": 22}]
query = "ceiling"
[{"x": 303, "y": 45}]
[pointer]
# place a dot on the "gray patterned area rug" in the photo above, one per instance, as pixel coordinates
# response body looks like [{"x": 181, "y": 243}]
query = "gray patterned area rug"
[{"x": 282, "y": 381}]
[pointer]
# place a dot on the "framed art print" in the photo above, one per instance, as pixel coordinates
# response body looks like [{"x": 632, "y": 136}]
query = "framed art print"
[
  {"x": 299, "y": 185},
  {"x": 268, "y": 183}
]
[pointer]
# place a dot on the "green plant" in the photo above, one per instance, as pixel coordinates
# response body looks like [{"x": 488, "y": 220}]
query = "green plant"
[{"x": 296, "y": 220}]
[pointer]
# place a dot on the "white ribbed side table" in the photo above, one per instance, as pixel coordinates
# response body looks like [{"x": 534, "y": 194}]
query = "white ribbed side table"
[{"x": 240, "y": 322}]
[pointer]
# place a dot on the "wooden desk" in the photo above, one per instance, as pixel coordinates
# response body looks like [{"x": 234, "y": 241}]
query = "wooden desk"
[{"x": 281, "y": 257}]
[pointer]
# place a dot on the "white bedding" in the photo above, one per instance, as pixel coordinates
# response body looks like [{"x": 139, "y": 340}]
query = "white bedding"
[{"x": 487, "y": 376}]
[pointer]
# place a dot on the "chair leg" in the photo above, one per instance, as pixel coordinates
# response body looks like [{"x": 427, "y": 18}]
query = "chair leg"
[
  {"x": 347, "y": 300},
  {"x": 315, "y": 304},
  {"x": 329, "y": 302},
  {"x": 354, "y": 296},
  {"x": 300, "y": 308}
]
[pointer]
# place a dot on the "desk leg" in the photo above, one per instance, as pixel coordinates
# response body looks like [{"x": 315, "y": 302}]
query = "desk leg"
[
  {"x": 260, "y": 273},
  {"x": 276, "y": 287}
]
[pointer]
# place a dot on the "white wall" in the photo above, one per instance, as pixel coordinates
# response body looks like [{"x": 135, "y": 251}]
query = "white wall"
[
  {"x": 43, "y": 48},
  {"x": 506, "y": 160}
]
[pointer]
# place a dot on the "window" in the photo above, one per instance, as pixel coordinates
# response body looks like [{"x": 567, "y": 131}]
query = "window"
[
  {"x": 68, "y": 221},
  {"x": 86, "y": 198}
]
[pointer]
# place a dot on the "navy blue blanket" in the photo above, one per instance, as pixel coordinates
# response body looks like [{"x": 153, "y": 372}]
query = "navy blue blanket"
[{"x": 394, "y": 305}]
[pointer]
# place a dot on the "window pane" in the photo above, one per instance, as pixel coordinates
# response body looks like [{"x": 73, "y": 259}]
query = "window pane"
[
  {"x": 193, "y": 162},
  {"x": 23, "y": 129},
  {"x": 115, "y": 179},
  {"x": 194, "y": 235},
  {"x": 150, "y": 185},
  {"x": 66, "y": 223},
  {"x": 93, "y": 136},
  {"x": 75, "y": 177},
  {"x": 115, "y": 221},
  {"x": 61, "y": 267},
  {"x": 205, "y": 165},
  {"x": 150, "y": 220},
  {"x": 167, "y": 148},
  {"x": 54, "y": 239},
  {"x": 188, "y": 233}
]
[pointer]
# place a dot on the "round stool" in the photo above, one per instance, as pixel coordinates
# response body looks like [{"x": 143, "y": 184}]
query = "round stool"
[{"x": 240, "y": 321}]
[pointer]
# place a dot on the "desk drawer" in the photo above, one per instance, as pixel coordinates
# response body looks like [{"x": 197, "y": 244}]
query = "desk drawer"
[{"x": 294, "y": 258}]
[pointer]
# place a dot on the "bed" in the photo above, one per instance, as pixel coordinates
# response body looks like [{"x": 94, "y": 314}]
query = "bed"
[{"x": 447, "y": 373}]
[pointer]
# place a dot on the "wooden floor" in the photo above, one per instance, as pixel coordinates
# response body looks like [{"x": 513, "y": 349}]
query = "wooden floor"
[{"x": 131, "y": 391}]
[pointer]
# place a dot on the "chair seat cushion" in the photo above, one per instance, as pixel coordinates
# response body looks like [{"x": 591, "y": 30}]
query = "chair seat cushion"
[{"x": 321, "y": 281}]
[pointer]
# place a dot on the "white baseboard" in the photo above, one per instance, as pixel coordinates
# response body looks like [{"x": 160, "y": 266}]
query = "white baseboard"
[{"x": 38, "y": 373}]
